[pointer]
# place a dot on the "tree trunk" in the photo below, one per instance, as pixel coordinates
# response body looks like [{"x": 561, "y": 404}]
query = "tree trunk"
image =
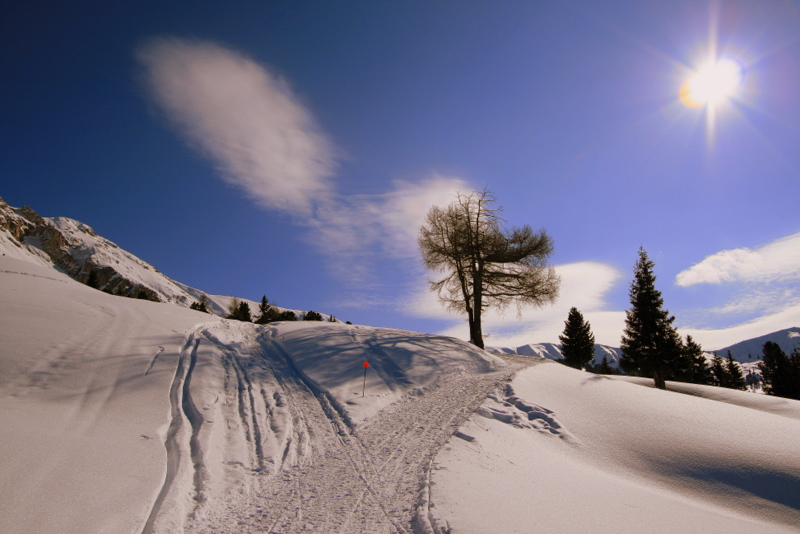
[
  {"x": 658, "y": 379},
  {"x": 477, "y": 336}
]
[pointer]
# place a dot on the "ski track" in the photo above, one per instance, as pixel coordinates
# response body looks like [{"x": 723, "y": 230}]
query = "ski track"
[{"x": 302, "y": 465}]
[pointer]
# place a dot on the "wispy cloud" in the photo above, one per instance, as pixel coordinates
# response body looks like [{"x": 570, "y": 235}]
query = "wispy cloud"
[
  {"x": 776, "y": 261},
  {"x": 245, "y": 118},
  {"x": 262, "y": 139}
]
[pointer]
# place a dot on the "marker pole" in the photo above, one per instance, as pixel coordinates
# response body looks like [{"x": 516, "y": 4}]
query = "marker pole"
[{"x": 364, "y": 389}]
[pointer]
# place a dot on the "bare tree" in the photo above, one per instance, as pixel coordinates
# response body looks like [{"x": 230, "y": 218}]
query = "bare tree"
[{"x": 484, "y": 264}]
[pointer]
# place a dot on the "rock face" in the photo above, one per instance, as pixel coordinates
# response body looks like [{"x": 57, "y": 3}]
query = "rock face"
[{"x": 75, "y": 249}]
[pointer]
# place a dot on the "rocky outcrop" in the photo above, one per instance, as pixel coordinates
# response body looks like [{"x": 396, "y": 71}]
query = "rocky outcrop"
[{"x": 73, "y": 248}]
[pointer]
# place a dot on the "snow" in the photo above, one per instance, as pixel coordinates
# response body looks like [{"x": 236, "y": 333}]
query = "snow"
[
  {"x": 133, "y": 416},
  {"x": 620, "y": 458}
]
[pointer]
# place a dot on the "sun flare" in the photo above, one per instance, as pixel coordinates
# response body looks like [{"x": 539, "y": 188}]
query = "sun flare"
[{"x": 712, "y": 84}]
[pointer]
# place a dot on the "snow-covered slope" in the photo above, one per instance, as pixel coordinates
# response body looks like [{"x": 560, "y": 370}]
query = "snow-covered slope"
[
  {"x": 566, "y": 451},
  {"x": 124, "y": 415}
]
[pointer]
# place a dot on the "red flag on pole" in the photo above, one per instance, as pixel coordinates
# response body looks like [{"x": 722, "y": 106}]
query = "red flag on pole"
[{"x": 364, "y": 390}]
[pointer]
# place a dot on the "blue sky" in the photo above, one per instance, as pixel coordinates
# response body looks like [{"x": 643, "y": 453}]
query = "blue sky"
[{"x": 292, "y": 148}]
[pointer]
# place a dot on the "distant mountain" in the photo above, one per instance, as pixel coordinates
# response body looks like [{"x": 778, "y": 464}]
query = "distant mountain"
[
  {"x": 751, "y": 350},
  {"x": 74, "y": 249},
  {"x": 748, "y": 351},
  {"x": 552, "y": 351}
]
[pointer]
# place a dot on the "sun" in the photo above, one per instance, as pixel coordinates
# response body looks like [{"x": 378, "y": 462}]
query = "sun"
[{"x": 712, "y": 84}]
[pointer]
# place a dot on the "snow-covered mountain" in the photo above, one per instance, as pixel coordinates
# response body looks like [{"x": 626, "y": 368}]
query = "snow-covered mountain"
[
  {"x": 751, "y": 350},
  {"x": 552, "y": 351},
  {"x": 75, "y": 249}
]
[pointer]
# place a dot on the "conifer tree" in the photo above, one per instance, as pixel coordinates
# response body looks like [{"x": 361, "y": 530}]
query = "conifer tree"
[
  {"x": 239, "y": 310},
  {"x": 605, "y": 368},
  {"x": 650, "y": 344},
  {"x": 698, "y": 370},
  {"x": 286, "y": 315},
  {"x": 577, "y": 341},
  {"x": 719, "y": 371},
  {"x": 312, "y": 316},
  {"x": 735, "y": 376},
  {"x": 780, "y": 373},
  {"x": 244, "y": 312},
  {"x": 266, "y": 312},
  {"x": 200, "y": 306}
]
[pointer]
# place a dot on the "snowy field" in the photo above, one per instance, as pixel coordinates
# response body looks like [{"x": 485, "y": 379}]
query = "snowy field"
[{"x": 124, "y": 415}]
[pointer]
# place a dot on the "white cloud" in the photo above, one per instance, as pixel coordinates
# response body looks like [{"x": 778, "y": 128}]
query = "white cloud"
[
  {"x": 350, "y": 229},
  {"x": 245, "y": 118},
  {"x": 584, "y": 285},
  {"x": 264, "y": 141},
  {"x": 776, "y": 261}
]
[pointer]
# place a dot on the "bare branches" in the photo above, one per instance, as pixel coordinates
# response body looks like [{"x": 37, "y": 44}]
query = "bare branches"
[{"x": 485, "y": 265}]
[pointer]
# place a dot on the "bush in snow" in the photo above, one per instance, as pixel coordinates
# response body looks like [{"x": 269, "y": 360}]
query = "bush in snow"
[{"x": 312, "y": 316}]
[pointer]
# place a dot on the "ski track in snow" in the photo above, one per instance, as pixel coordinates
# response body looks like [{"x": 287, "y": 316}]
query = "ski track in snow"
[{"x": 294, "y": 460}]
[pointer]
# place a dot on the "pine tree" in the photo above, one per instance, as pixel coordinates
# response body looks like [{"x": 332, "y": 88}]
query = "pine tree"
[
  {"x": 312, "y": 316},
  {"x": 239, "y": 310},
  {"x": 244, "y": 312},
  {"x": 286, "y": 315},
  {"x": 735, "y": 376},
  {"x": 577, "y": 341},
  {"x": 699, "y": 372},
  {"x": 266, "y": 312},
  {"x": 650, "y": 344},
  {"x": 200, "y": 306},
  {"x": 719, "y": 371},
  {"x": 605, "y": 368},
  {"x": 780, "y": 373}
]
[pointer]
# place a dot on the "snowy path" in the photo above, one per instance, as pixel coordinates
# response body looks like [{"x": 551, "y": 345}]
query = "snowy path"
[{"x": 288, "y": 458}]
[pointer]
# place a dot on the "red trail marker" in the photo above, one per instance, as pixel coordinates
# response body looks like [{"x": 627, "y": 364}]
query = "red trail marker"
[{"x": 364, "y": 390}]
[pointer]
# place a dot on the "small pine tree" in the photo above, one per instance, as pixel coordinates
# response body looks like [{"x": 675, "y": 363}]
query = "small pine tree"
[
  {"x": 605, "y": 368},
  {"x": 239, "y": 310},
  {"x": 244, "y": 312},
  {"x": 735, "y": 375},
  {"x": 200, "y": 306},
  {"x": 693, "y": 357},
  {"x": 286, "y": 315},
  {"x": 719, "y": 371},
  {"x": 650, "y": 344},
  {"x": 311, "y": 315},
  {"x": 577, "y": 341},
  {"x": 266, "y": 312}
]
